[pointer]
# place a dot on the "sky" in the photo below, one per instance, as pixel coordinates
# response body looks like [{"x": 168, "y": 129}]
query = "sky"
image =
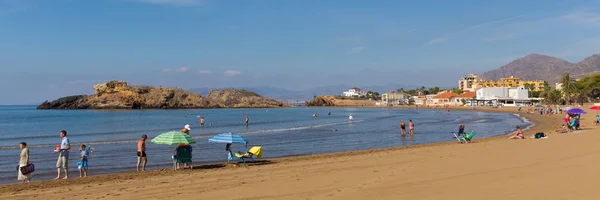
[{"x": 54, "y": 48}]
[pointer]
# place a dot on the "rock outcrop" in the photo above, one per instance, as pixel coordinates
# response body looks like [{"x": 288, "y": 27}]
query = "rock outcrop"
[
  {"x": 119, "y": 95},
  {"x": 322, "y": 101},
  {"x": 236, "y": 98}
]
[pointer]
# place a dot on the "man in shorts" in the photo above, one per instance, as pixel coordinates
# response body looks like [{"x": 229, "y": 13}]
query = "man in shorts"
[
  {"x": 141, "y": 153},
  {"x": 63, "y": 155}
]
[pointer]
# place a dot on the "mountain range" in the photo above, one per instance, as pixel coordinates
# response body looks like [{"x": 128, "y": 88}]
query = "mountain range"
[{"x": 547, "y": 68}]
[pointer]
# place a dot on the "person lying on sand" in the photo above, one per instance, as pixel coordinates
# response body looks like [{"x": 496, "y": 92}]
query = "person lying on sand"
[{"x": 518, "y": 134}]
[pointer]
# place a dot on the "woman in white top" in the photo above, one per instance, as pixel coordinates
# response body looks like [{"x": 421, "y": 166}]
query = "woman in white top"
[{"x": 24, "y": 161}]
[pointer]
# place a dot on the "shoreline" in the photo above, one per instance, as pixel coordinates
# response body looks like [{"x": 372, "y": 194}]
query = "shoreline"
[{"x": 539, "y": 123}]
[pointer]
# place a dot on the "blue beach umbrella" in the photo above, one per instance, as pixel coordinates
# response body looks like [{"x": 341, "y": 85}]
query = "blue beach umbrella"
[{"x": 228, "y": 138}]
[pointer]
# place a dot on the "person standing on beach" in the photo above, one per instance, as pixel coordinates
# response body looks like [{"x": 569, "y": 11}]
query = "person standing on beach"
[
  {"x": 411, "y": 127},
  {"x": 63, "y": 155},
  {"x": 402, "y": 127},
  {"x": 24, "y": 161},
  {"x": 141, "y": 153}
]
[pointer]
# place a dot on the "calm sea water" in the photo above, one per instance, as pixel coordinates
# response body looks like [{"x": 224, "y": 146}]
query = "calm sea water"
[{"x": 281, "y": 132}]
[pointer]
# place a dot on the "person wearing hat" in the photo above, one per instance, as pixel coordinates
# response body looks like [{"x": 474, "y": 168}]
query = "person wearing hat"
[{"x": 186, "y": 129}]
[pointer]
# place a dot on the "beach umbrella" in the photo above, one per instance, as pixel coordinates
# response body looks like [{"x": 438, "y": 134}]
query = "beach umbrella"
[
  {"x": 228, "y": 138},
  {"x": 173, "y": 138},
  {"x": 576, "y": 111},
  {"x": 595, "y": 108}
]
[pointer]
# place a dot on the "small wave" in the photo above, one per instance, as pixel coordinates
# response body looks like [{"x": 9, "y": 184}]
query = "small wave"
[{"x": 195, "y": 137}]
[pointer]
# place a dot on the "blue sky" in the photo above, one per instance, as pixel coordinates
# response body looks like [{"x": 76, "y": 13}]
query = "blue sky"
[{"x": 53, "y": 48}]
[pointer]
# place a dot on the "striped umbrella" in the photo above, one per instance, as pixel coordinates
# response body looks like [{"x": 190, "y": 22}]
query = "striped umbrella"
[
  {"x": 173, "y": 138},
  {"x": 228, "y": 138}
]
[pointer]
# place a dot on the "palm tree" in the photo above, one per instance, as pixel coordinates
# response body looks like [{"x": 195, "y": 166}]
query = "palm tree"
[{"x": 569, "y": 86}]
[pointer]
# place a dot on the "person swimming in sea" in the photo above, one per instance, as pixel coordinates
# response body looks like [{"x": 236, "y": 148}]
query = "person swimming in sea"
[{"x": 315, "y": 115}]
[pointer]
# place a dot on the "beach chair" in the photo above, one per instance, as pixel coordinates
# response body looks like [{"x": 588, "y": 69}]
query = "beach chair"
[
  {"x": 183, "y": 155},
  {"x": 255, "y": 151},
  {"x": 464, "y": 137}
]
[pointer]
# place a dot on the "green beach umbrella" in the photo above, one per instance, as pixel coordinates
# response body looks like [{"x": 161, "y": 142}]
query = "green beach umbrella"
[{"x": 173, "y": 138}]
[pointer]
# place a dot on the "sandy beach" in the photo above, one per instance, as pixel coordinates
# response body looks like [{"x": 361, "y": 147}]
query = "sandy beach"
[{"x": 562, "y": 166}]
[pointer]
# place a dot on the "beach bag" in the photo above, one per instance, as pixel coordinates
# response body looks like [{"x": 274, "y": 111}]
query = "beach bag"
[
  {"x": 539, "y": 135},
  {"x": 27, "y": 169}
]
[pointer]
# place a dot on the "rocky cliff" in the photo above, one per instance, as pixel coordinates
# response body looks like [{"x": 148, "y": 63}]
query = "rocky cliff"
[
  {"x": 119, "y": 95},
  {"x": 542, "y": 67},
  {"x": 236, "y": 98}
]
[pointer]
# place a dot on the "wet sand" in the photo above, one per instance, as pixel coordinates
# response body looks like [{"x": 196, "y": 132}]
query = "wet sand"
[{"x": 562, "y": 166}]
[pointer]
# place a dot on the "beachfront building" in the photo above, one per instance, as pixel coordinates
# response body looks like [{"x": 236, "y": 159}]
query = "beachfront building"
[
  {"x": 354, "y": 92},
  {"x": 429, "y": 99},
  {"x": 466, "y": 98},
  {"x": 419, "y": 100},
  {"x": 467, "y": 83},
  {"x": 512, "y": 82},
  {"x": 503, "y": 96},
  {"x": 393, "y": 98},
  {"x": 445, "y": 98}
]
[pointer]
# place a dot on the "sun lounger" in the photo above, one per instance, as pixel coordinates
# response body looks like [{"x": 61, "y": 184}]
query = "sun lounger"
[
  {"x": 183, "y": 155},
  {"x": 255, "y": 151},
  {"x": 464, "y": 137}
]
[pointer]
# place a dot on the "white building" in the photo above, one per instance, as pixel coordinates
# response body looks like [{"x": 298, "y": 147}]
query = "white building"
[
  {"x": 503, "y": 95},
  {"x": 354, "y": 92},
  {"x": 393, "y": 98}
]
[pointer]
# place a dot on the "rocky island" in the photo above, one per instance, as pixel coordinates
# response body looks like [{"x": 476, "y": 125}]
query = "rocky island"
[{"x": 119, "y": 95}]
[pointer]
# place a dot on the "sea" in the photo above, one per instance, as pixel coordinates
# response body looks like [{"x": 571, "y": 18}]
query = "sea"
[{"x": 280, "y": 131}]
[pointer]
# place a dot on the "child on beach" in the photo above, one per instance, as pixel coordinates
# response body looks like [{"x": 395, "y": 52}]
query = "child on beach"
[{"x": 82, "y": 164}]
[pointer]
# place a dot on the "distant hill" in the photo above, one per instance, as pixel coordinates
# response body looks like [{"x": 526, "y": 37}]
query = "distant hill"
[{"x": 542, "y": 67}]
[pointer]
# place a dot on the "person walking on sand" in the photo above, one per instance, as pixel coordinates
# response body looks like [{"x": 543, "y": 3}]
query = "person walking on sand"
[
  {"x": 141, "y": 153},
  {"x": 63, "y": 155},
  {"x": 24, "y": 161},
  {"x": 402, "y": 127},
  {"x": 518, "y": 134},
  {"x": 411, "y": 127}
]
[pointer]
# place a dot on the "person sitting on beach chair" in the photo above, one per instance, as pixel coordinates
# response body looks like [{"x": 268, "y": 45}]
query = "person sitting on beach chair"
[
  {"x": 464, "y": 137},
  {"x": 461, "y": 130},
  {"x": 252, "y": 152}
]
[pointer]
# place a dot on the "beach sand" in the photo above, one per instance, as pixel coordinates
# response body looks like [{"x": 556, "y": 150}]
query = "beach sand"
[{"x": 563, "y": 166}]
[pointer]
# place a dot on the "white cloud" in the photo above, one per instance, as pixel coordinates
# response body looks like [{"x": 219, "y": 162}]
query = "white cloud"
[
  {"x": 583, "y": 17},
  {"x": 174, "y": 2},
  {"x": 183, "y": 69},
  {"x": 437, "y": 40},
  {"x": 232, "y": 72},
  {"x": 204, "y": 72},
  {"x": 357, "y": 49},
  {"x": 167, "y": 70}
]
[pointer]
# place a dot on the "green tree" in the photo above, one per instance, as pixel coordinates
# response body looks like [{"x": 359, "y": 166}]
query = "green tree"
[
  {"x": 401, "y": 90},
  {"x": 434, "y": 90},
  {"x": 569, "y": 86}
]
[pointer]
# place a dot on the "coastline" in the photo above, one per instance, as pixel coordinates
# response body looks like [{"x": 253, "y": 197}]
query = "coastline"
[{"x": 321, "y": 161}]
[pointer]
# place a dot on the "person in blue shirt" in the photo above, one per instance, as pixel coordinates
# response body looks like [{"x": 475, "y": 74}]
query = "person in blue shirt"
[
  {"x": 597, "y": 121},
  {"x": 63, "y": 155}
]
